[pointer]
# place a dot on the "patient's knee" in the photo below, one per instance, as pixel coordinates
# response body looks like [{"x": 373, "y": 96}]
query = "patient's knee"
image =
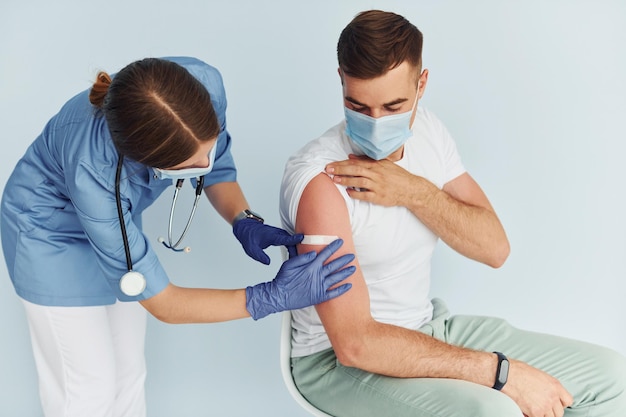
[{"x": 614, "y": 370}]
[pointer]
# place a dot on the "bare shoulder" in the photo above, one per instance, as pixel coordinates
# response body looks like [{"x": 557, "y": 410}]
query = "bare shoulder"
[{"x": 322, "y": 209}]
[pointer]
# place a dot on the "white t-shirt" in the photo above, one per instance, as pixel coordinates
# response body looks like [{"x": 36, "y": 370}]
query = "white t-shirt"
[{"x": 393, "y": 247}]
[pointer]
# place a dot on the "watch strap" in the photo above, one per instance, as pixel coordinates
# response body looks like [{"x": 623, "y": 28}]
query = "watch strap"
[
  {"x": 248, "y": 214},
  {"x": 502, "y": 371}
]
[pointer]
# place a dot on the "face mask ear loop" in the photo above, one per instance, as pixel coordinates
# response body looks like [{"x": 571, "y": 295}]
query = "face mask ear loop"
[{"x": 415, "y": 104}]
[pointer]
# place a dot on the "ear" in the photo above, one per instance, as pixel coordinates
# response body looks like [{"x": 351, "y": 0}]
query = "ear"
[
  {"x": 340, "y": 72},
  {"x": 423, "y": 80}
]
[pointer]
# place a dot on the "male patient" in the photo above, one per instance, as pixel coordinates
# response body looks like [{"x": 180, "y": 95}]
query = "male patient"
[{"x": 389, "y": 181}]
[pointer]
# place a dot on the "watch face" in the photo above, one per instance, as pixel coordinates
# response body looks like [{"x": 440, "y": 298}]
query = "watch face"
[
  {"x": 247, "y": 214},
  {"x": 504, "y": 371},
  {"x": 253, "y": 215}
]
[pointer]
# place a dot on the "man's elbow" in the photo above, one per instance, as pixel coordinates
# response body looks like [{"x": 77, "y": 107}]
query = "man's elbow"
[
  {"x": 348, "y": 358},
  {"x": 351, "y": 353},
  {"x": 500, "y": 255}
]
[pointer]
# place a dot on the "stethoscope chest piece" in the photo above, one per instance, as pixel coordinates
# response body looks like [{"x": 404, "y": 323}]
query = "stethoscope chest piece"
[{"x": 132, "y": 283}]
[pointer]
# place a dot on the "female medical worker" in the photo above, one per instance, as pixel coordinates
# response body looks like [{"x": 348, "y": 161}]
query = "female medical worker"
[{"x": 72, "y": 239}]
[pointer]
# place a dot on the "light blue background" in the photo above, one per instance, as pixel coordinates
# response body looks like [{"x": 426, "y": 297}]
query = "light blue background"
[{"x": 534, "y": 93}]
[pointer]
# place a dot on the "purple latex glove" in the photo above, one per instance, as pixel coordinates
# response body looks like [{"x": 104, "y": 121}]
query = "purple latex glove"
[
  {"x": 256, "y": 236},
  {"x": 302, "y": 281}
]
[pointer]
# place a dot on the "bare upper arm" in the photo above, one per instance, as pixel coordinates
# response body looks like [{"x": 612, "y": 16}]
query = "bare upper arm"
[
  {"x": 465, "y": 189},
  {"x": 322, "y": 211}
]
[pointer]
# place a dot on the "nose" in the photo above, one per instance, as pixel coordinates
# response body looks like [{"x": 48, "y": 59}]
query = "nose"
[
  {"x": 375, "y": 113},
  {"x": 204, "y": 163}
]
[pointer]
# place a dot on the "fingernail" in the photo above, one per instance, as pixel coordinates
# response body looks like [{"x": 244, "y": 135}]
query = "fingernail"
[{"x": 330, "y": 170}]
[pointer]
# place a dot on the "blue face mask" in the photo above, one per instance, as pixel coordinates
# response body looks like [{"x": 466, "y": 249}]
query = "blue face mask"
[
  {"x": 177, "y": 174},
  {"x": 378, "y": 138}
]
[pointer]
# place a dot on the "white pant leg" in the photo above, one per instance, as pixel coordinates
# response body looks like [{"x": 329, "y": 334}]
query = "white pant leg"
[
  {"x": 75, "y": 355},
  {"x": 128, "y": 330}
]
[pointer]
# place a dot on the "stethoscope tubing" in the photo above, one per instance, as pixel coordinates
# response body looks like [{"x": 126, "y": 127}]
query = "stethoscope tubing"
[
  {"x": 120, "y": 214},
  {"x": 179, "y": 184},
  {"x": 133, "y": 283}
]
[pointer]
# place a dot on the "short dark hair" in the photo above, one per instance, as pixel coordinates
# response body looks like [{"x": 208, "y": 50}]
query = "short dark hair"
[
  {"x": 156, "y": 111},
  {"x": 375, "y": 42}
]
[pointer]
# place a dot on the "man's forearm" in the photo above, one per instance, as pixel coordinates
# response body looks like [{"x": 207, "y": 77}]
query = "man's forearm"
[
  {"x": 402, "y": 353},
  {"x": 471, "y": 230}
]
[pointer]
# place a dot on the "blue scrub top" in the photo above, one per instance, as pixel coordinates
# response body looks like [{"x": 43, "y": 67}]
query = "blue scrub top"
[{"x": 60, "y": 230}]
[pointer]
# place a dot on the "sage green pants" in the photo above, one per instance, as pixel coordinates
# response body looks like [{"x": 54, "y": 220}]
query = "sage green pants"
[{"x": 595, "y": 376}]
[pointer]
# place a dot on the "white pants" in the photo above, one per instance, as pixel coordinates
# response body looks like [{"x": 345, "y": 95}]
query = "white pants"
[{"x": 90, "y": 360}]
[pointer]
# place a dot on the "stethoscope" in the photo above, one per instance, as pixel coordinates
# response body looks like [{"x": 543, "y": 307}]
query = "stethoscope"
[
  {"x": 132, "y": 282},
  {"x": 169, "y": 244}
]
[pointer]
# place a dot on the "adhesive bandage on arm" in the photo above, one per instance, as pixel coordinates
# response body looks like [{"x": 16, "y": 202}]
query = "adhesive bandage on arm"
[{"x": 318, "y": 239}]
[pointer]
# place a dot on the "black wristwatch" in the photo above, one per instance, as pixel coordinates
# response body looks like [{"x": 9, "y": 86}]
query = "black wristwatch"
[
  {"x": 502, "y": 371},
  {"x": 248, "y": 214}
]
